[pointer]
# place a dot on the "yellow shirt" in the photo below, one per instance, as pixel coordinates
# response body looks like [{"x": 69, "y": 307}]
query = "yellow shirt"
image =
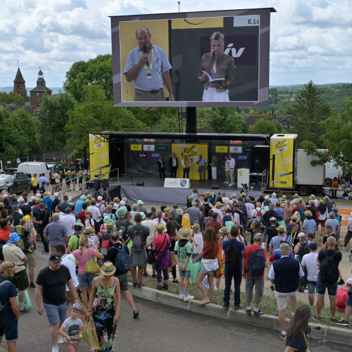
[{"x": 34, "y": 182}]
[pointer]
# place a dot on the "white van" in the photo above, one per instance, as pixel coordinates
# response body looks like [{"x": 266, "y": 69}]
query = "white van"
[
  {"x": 332, "y": 171},
  {"x": 32, "y": 167}
]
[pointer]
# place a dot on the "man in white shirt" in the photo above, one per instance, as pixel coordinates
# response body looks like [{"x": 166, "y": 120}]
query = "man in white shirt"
[
  {"x": 232, "y": 164},
  {"x": 150, "y": 223},
  {"x": 310, "y": 263},
  {"x": 225, "y": 199},
  {"x": 69, "y": 221},
  {"x": 100, "y": 205},
  {"x": 96, "y": 215}
]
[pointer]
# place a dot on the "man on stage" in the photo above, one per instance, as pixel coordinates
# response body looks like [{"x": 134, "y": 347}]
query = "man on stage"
[
  {"x": 148, "y": 67},
  {"x": 232, "y": 170},
  {"x": 173, "y": 164},
  {"x": 202, "y": 163}
]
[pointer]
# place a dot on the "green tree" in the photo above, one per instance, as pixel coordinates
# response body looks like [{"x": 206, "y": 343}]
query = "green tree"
[
  {"x": 97, "y": 114},
  {"x": 96, "y": 72},
  {"x": 8, "y": 98},
  {"x": 306, "y": 115},
  {"x": 273, "y": 96},
  {"x": 266, "y": 125},
  {"x": 51, "y": 122},
  {"x": 154, "y": 116}
]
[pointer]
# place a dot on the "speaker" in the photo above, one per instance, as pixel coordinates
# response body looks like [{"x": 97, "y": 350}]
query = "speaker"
[
  {"x": 97, "y": 184},
  {"x": 105, "y": 183},
  {"x": 90, "y": 184},
  {"x": 215, "y": 186},
  {"x": 140, "y": 183}
]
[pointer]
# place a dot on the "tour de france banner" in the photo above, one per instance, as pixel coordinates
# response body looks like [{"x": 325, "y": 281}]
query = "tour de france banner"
[
  {"x": 99, "y": 155},
  {"x": 282, "y": 150},
  {"x": 193, "y": 151}
]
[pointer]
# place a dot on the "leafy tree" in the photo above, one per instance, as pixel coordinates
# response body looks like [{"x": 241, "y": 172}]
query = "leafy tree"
[
  {"x": 154, "y": 116},
  {"x": 51, "y": 122},
  {"x": 273, "y": 96},
  {"x": 97, "y": 114},
  {"x": 96, "y": 72},
  {"x": 8, "y": 98},
  {"x": 306, "y": 115},
  {"x": 266, "y": 125}
]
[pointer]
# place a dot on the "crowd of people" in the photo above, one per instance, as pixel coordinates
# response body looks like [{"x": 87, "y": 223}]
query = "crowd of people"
[{"x": 93, "y": 245}]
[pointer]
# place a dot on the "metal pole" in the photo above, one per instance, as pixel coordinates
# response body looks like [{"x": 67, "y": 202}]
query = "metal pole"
[{"x": 179, "y": 6}]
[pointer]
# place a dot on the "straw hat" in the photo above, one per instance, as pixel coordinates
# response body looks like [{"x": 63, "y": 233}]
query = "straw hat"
[
  {"x": 294, "y": 218},
  {"x": 218, "y": 204},
  {"x": 224, "y": 230},
  {"x": 234, "y": 195},
  {"x": 308, "y": 213},
  {"x": 108, "y": 269},
  {"x": 116, "y": 200},
  {"x": 190, "y": 197},
  {"x": 109, "y": 207},
  {"x": 160, "y": 228},
  {"x": 281, "y": 229},
  {"x": 196, "y": 226},
  {"x": 185, "y": 233},
  {"x": 110, "y": 225},
  {"x": 88, "y": 230}
]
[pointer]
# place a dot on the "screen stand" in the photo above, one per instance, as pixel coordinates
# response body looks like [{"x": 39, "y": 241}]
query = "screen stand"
[{"x": 191, "y": 120}]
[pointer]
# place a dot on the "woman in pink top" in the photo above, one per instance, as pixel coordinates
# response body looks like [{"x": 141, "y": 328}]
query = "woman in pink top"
[
  {"x": 287, "y": 213},
  {"x": 83, "y": 254}
]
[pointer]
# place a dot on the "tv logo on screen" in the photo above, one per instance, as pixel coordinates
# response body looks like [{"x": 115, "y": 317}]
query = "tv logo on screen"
[{"x": 233, "y": 51}]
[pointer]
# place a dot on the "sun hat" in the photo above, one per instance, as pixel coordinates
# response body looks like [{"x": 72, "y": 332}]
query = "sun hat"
[
  {"x": 122, "y": 203},
  {"x": 266, "y": 197},
  {"x": 224, "y": 230},
  {"x": 109, "y": 207},
  {"x": 196, "y": 226},
  {"x": 108, "y": 269},
  {"x": 83, "y": 197},
  {"x": 56, "y": 194},
  {"x": 38, "y": 195},
  {"x": 88, "y": 230},
  {"x": 160, "y": 228},
  {"x": 15, "y": 207},
  {"x": 253, "y": 213},
  {"x": 185, "y": 233},
  {"x": 218, "y": 204},
  {"x": 313, "y": 246},
  {"x": 1, "y": 204},
  {"x": 89, "y": 196},
  {"x": 69, "y": 199},
  {"x": 100, "y": 198},
  {"x": 294, "y": 218},
  {"x": 190, "y": 197},
  {"x": 321, "y": 201},
  {"x": 140, "y": 202},
  {"x": 8, "y": 266},
  {"x": 76, "y": 306},
  {"x": 21, "y": 200},
  {"x": 301, "y": 234},
  {"x": 116, "y": 200},
  {"x": 234, "y": 195},
  {"x": 107, "y": 219},
  {"x": 312, "y": 196},
  {"x": 142, "y": 215},
  {"x": 308, "y": 214},
  {"x": 110, "y": 225},
  {"x": 55, "y": 257},
  {"x": 281, "y": 229},
  {"x": 46, "y": 195},
  {"x": 38, "y": 200}
]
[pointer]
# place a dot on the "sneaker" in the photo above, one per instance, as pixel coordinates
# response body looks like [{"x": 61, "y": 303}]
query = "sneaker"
[
  {"x": 341, "y": 282},
  {"x": 32, "y": 285},
  {"x": 238, "y": 308},
  {"x": 175, "y": 282},
  {"x": 272, "y": 288},
  {"x": 305, "y": 290},
  {"x": 225, "y": 182},
  {"x": 180, "y": 296},
  {"x": 140, "y": 285},
  {"x": 248, "y": 311},
  {"x": 333, "y": 320},
  {"x": 135, "y": 284},
  {"x": 282, "y": 335},
  {"x": 60, "y": 339},
  {"x": 231, "y": 184},
  {"x": 154, "y": 276},
  {"x": 188, "y": 298},
  {"x": 301, "y": 289},
  {"x": 260, "y": 312},
  {"x": 24, "y": 311},
  {"x": 170, "y": 276},
  {"x": 344, "y": 249},
  {"x": 225, "y": 307},
  {"x": 342, "y": 322},
  {"x": 315, "y": 317},
  {"x": 145, "y": 274},
  {"x": 55, "y": 349}
]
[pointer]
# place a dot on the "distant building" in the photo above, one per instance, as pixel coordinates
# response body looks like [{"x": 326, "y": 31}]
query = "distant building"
[
  {"x": 19, "y": 85},
  {"x": 38, "y": 92},
  {"x": 284, "y": 121}
]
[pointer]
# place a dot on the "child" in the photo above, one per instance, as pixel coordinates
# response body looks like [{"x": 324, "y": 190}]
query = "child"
[
  {"x": 28, "y": 227},
  {"x": 183, "y": 252},
  {"x": 72, "y": 329}
]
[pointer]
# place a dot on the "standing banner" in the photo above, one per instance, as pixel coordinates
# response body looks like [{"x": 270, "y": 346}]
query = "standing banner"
[
  {"x": 282, "y": 148},
  {"x": 99, "y": 155},
  {"x": 193, "y": 151}
]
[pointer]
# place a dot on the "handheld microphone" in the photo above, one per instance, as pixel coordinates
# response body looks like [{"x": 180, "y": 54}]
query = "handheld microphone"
[{"x": 145, "y": 51}]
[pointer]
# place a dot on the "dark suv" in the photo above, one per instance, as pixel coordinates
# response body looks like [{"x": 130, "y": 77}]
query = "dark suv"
[{"x": 17, "y": 182}]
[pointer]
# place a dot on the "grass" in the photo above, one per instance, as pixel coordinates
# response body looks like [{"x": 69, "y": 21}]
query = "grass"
[{"x": 268, "y": 304}]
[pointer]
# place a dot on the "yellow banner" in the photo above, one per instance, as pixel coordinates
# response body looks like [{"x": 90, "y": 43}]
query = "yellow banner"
[
  {"x": 193, "y": 151},
  {"x": 99, "y": 155},
  {"x": 136, "y": 147},
  {"x": 281, "y": 161},
  {"x": 195, "y": 23},
  {"x": 221, "y": 149},
  {"x": 159, "y": 31}
]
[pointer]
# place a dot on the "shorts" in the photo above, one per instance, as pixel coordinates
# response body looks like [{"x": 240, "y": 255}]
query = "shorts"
[
  {"x": 21, "y": 280},
  {"x": 123, "y": 278},
  {"x": 322, "y": 286},
  {"x": 9, "y": 329},
  {"x": 321, "y": 222},
  {"x": 184, "y": 273},
  {"x": 55, "y": 313},
  {"x": 312, "y": 287},
  {"x": 204, "y": 271},
  {"x": 85, "y": 280},
  {"x": 30, "y": 263},
  {"x": 71, "y": 347},
  {"x": 349, "y": 302},
  {"x": 281, "y": 298}
]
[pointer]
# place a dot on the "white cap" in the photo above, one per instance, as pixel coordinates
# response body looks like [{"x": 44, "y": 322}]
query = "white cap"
[
  {"x": 21, "y": 200},
  {"x": 253, "y": 213},
  {"x": 38, "y": 195},
  {"x": 5, "y": 195},
  {"x": 56, "y": 194},
  {"x": 100, "y": 198}
]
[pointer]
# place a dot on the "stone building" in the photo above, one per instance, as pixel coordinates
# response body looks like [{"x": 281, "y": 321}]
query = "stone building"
[
  {"x": 19, "y": 85},
  {"x": 37, "y": 93}
]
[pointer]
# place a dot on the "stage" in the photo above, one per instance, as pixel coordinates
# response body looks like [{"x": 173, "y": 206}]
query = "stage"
[{"x": 153, "y": 191}]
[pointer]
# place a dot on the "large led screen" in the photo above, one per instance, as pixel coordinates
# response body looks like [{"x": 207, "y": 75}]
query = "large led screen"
[{"x": 218, "y": 58}]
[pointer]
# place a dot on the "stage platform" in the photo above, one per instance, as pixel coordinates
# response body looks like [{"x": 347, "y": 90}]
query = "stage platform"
[{"x": 153, "y": 191}]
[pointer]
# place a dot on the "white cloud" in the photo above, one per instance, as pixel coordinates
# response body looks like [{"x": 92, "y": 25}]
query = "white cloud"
[{"x": 309, "y": 39}]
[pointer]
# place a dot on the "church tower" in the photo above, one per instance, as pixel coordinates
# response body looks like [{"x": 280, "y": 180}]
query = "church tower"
[
  {"x": 38, "y": 92},
  {"x": 19, "y": 85}
]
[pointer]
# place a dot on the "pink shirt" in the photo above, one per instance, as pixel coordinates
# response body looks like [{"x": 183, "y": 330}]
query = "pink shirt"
[
  {"x": 82, "y": 259},
  {"x": 159, "y": 240}
]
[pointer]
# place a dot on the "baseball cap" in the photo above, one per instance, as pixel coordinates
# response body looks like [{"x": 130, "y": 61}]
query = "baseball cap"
[
  {"x": 76, "y": 306},
  {"x": 140, "y": 202},
  {"x": 8, "y": 266},
  {"x": 15, "y": 207},
  {"x": 313, "y": 246},
  {"x": 348, "y": 282},
  {"x": 272, "y": 219},
  {"x": 335, "y": 210},
  {"x": 55, "y": 257},
  {"x": 21, "y": 200},
  {"x": 100, "y": 198},
  {"x": 56, "y": 194},
  {"x": 301, "y": 234}
]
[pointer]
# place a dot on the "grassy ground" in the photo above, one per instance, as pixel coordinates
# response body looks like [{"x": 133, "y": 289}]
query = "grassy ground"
[{"x": 268, "y": 304}]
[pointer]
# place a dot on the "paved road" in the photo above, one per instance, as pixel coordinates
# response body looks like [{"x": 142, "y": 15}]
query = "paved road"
[{"x": 162, "y": 328}]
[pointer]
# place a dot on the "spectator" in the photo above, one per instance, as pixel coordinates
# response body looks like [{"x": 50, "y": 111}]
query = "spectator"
[
  {"x": 309, "y": 225},
  {"x": 195, "y": 215},
  {"x": 56, "y": 233},
  {"x": 342, "y": 294},
  {"x": 276, "y": 240},
  {"x": 349, "y": 232},
  {"x": 310, "y": 263},
  {"x": 214, "y": 223},
  {"x": 335, "y": 225},
  {"x": 271, "y": 231}
]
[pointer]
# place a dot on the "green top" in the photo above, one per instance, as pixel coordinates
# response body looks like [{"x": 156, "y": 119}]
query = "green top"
[
  {"x": 74, "y": 242},
  {"x": 182, "y": 254}
]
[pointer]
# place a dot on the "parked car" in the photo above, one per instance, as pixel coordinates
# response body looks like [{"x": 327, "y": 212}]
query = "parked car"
[
  {"x": 56, "y": 166},
  {"x": 15, "y": 182}
]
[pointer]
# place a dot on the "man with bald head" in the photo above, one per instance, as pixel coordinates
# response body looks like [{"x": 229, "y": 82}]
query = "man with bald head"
[{"x": 148, "y": 67}]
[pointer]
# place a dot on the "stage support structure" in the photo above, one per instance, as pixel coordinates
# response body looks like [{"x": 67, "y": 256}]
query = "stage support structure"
[{"x": 191, "y": 120}]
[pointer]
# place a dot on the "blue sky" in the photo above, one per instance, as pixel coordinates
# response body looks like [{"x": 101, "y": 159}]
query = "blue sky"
[{"x": 309, "y": 39}]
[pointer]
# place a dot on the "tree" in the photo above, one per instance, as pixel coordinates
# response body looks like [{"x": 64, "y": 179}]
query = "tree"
[
  {"x": 273, "y": 96},
  {"x": 97, "y": 114},
  {"x": 155, "y": 116},
  {"x": 306, "y": 115},
  {"x": 51, "y": 122},
  {"x": 266, "y": 125},
  {"x": 96, "y": 72},
  {"x": 8, "y": 98},
  {"x": 223, "y": 120}
]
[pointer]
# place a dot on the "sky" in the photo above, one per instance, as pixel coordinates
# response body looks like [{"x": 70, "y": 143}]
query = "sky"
[{"x": 309, "y": 38}]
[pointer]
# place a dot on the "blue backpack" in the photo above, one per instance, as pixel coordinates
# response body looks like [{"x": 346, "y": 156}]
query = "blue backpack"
[
  {"x": 122, "y": 260},
  {"x": 256, "y": 263},
  {"x": 301, "y": 213}
]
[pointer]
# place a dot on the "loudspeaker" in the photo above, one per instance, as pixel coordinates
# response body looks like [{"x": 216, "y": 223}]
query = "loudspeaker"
[
  {"x": 97, "y": 184},
  {"x": 215, "y": 186},
  {"x": 140, "y": 183},
  {"x": 90, "y": 184},
  {"x": 105, "y": 183}
]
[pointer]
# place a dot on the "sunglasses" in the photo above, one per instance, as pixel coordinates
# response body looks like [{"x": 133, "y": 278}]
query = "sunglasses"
[{"x": 11, "y": 266}]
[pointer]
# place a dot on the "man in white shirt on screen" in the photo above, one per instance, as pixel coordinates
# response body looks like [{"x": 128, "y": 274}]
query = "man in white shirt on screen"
[{"x": 232, "y": 164}]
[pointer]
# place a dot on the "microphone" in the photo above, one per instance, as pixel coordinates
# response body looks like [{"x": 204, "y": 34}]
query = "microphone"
[{"x": 145, "y": 51}]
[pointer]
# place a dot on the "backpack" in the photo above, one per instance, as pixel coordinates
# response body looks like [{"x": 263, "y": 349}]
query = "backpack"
[
  {"x": 329, "y": 271},
  {"x": 232, "y": 256},
  {"x": 301, "y": 212},
  {"x": 256, "y": 263},
  {"x": 105, "y": 244},
  {"x": 304, "y": 249},
  {"x": 3, "y": 305},
  {"x": 137, "y": 240},
  {"x": 122, "y": 260},
  {"x": 341, "y": 298},
  {"x": 36, "y": 212}
]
